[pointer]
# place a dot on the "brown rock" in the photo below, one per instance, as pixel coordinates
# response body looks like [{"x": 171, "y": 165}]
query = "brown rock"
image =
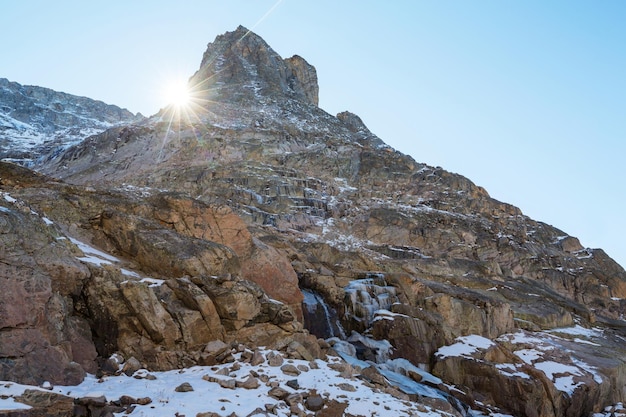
[
  {"x": 294, "y": 399},
  {"x": 257, "y": 358},
  {"x": 274, "y": 273},
  {"x": 371, "y": 374},
  {"x": 131, "y": 366},
  {"x": 47, "y": 402},
  {"x": 184, "y": 387},
  {"x": 216, "y": 347},
  {"x": 290, "y": 369},
  {"x": 333, "y": 408},
  {"x": 274, "y": 359},
  {"x": 159, "y": 324},
  {"x": 194, "y": 298},
  {"x": 278, "y": 393},
  {"x": 250, "y": 383},
  {"x": 163, "y": 251},
  {"x": 346, "y": 387}
]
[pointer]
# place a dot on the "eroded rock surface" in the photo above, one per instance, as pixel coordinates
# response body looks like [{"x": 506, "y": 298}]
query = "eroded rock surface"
[{"x": 262, "y": 192}]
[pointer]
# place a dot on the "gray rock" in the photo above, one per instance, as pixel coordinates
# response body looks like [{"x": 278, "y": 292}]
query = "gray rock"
[
  {"x": 314, "y": 402},
  {"x": 184, "y": 387}
]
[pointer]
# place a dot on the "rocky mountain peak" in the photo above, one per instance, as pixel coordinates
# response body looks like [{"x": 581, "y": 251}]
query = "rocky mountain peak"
[
  {"x": 240, "y": 66},
  {"x": 266, "y": 214}
]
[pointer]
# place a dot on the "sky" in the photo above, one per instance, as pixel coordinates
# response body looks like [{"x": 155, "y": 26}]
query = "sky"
[{"x": 527, "y": 99}]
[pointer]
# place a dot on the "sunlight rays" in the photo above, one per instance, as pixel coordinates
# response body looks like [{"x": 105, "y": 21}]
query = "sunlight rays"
[{"x": 188, "y": 105}]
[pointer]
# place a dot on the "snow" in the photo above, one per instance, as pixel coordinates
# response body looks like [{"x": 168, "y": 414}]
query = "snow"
[
  {"x": 510, "y": 370},
  {"x": 529, "y": 355},
  {"x": 129, "y": 273},
  {"x": 578, "y": 330},
  {"x": 563, "y": 383},
  {"x": 561, "y": 374},
  {"x": 9, "y": 390},
  {"x": 8, "y": 198},
  {"x": 465, "y": 346},
  {"x": 211, "y": 397},
  {"x": 93, "y": 255}
]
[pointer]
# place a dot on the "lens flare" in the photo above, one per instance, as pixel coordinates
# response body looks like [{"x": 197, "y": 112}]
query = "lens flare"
[{"x": 176, "y": 93}]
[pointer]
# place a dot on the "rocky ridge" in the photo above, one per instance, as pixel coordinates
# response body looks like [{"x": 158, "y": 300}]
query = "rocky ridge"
[
  {"x": 35, "y": 121},
  {"x": 256, "y": 193}
]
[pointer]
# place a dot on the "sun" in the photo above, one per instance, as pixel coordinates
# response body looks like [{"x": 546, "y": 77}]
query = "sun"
[{"x": 177, "y": 93}]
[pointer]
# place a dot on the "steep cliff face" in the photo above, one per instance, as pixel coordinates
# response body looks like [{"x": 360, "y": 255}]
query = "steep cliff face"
[
  {"x": 35, "y": 121},
  {"x": 257, "y": 185},
  {"x": 156, "y": 289}
]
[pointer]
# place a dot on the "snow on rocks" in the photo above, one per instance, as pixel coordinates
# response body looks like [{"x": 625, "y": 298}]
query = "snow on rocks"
[
  {"x": 465, "y": 346},
  {"x": 238, "y": 387}
]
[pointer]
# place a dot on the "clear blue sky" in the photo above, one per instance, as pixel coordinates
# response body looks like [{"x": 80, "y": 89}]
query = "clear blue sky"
[{"x": 525, "y": 98}]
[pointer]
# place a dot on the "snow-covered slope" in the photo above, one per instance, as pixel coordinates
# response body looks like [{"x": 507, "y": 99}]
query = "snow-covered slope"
[{"x": 35, "y": 121}]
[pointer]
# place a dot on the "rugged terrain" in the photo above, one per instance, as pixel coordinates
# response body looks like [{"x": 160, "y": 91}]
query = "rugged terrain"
[
  {"x": 252, "y": 212},
  {"x": 35, "y": 121}
]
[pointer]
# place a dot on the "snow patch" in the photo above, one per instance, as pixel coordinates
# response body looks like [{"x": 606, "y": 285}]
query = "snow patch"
[{"x": 465, "y": 346}]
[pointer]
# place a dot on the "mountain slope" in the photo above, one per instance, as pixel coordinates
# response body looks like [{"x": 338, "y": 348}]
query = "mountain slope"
[
  {"x": 36, "y": 120},
  {"x": 396, "y": 258}
]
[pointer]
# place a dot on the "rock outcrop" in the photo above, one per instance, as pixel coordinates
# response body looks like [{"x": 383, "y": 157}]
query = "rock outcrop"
[
  {"x": 149, "y": 292},
  {"x": 222, "y": 216},
  {"x": 240, "y": 65}
]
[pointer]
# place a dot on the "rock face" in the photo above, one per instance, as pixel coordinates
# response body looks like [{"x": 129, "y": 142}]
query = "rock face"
[
  {"x": 160, "y": 299},
  {"x": 243, "y": 59},
  {"x": 35, "y": 121},
  {"x": 222, "y": 216}
]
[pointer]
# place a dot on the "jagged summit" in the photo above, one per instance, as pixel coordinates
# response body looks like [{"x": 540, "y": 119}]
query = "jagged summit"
[
  {"x": 240, "y": 66},
  {"x": 242, "y": 83}
]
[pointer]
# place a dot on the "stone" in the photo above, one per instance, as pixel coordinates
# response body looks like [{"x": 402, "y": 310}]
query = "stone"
[
  {"x": 290, "y": 369},
  {"x": 274, "y": 359},
  {"x": 314, "y": 402},
  {"x": 127, "y": 400},
  {"x": 131, "y": 366},
  {"x": 293, "y": 384},
  {"x": 333, "y": 408},
  {"x": 184, "y": 387},
  {"x": 301, "y": 351},
  {"x": 303, "y": 78},
  {"x": 294, "y": 399},
  {"x": 344, "y": 386},
  {"x": 257, "y": 358},
  {"x": 250, "y": 383},
  {"x": 371, "y": 374},
  {"x": 278, "y": 393},
  {"x": 89, "y": 401},
  {"x": 216, "y": 347},
  {"x": 46, "y": 402}
]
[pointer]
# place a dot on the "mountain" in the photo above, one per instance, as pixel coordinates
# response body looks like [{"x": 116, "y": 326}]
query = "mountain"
[
  {"x": 35, "y": 121},
  {"x": 253, "y": 217}
]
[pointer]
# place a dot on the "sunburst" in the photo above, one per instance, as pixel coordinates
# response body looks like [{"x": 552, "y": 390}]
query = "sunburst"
[{"x": 176, "y": 93}]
